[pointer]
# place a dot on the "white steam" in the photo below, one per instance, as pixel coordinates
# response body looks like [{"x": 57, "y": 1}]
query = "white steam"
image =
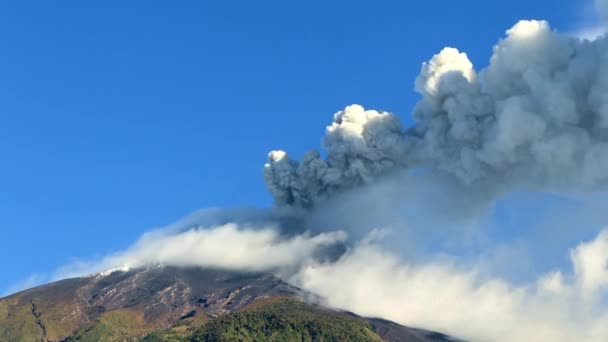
[
  {"x": 464, "y": 302},
  {"x": 535, "y": 118},
  {"x": 537, "y": 115},
  {"x": 228, "y": 246},
  {"x": 459, "y": 299}
]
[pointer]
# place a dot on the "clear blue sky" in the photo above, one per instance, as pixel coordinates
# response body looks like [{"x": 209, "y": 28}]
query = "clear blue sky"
[{"x": 120, "y": 116}]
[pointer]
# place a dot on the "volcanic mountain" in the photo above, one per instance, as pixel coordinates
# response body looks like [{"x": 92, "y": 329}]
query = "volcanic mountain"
[{"x": 185, "y": 304}]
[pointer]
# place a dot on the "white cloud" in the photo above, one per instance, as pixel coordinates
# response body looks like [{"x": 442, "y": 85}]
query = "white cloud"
[
  {"x": 590, "y": 262},
  {"x": 448, "y": 295},
  {"x": 227, "y": 246},
  {"x": 465, "y": 303},
  {"x": 534, "y": 118}
]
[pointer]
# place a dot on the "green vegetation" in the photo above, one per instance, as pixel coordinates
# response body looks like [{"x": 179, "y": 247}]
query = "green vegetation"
[
  {"x": 181, "y": 332},
  {"x": 40, "y": 314},
  {"x": 274, "y": 319},
  {"x": 17, "y": 322},
  {"x": 118, "y": 325},
  {"x": 285, "y": 320}
]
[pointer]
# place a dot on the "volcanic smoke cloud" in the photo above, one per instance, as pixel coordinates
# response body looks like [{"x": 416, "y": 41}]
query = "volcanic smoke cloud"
[{"x": 537, "y": 115}]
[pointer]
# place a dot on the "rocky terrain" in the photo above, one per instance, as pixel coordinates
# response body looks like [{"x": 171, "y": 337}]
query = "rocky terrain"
[{"x": 182, "y": 304}]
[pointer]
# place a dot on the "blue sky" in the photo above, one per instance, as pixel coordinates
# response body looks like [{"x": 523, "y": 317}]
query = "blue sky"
[{"x": 117, "y": 117}]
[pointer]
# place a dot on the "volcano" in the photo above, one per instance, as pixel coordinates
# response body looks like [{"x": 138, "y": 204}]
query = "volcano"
[{"x": 186, "y": 304}]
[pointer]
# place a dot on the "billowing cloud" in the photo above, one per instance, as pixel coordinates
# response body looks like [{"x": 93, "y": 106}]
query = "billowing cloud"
[
  {"x": 536, "y": 116},
  {"x": 462, "y": 299},
  {"x": 228, "y": 246},
  {"x": 467, "y": 302}
]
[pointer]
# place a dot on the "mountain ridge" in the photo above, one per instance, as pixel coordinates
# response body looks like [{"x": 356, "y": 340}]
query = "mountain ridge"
[{"x": 131, "y": 304}]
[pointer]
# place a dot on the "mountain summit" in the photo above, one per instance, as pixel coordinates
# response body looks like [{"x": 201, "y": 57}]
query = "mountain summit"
[{"x": 184, "y": 304}]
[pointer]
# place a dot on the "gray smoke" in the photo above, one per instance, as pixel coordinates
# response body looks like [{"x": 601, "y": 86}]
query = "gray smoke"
[
  {"x": 602, "y": 8},
  {"x": 536, "y": 116}
]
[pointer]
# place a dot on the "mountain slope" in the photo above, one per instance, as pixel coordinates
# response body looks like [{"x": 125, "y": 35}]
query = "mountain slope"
[
  {"x": 167, "y": 303},
  {"x": 272, "y": 319}
]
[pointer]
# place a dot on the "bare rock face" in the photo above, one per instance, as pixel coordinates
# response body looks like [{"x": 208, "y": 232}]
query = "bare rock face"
[
  {"x": 128, "y": 304},
  {"x": 161, "y": 295},
  {"x": 165, "y": 294}
]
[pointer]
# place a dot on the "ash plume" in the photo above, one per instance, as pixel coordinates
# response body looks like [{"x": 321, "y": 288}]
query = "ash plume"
[
  {"x": 376, "y": 237},
  {"x": 537, "y": 116}
]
